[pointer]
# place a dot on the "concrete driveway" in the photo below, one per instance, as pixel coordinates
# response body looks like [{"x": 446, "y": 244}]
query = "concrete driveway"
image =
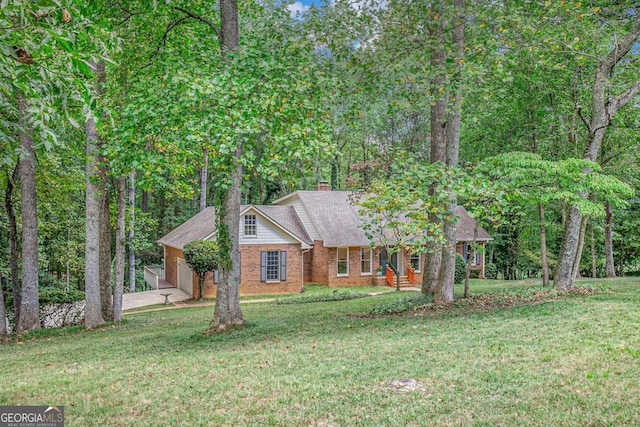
[{"x": 141, "y": 299}]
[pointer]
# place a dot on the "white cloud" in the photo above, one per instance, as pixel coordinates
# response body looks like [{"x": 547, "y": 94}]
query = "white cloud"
[{"x": 297, "y": 8}]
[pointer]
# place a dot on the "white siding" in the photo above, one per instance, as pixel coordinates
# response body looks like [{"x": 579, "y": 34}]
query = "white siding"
[
  {"x": 303, "y": 215},
  {"x": 266, "y": 232}
]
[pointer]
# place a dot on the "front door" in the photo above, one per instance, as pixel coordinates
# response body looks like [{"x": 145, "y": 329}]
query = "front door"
[{"x": 395, "y": 259}]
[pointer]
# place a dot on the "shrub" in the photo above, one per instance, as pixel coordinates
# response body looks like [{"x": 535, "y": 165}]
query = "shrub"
[
  {"x": 461, "y": 267},
  {"x": 491, "y": 271},
  {"x": 337, "y": 296},
  {"x": 48, "y": 295},
  {"x": 401, "y": 305},
  {"x": 57, "y": 295},
  {"x": 202, "y": 257}
]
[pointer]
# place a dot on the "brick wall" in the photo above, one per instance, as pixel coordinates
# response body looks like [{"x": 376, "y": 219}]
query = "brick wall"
[
  {"x": 308, "y": 266},
  {"x": 355, "y": 278},
  {"x": 319, "y": 263},
  {"x": 250, "y": 273},
  {"x": 171, "y": 264},
  {"x": 250, "y": 263}
]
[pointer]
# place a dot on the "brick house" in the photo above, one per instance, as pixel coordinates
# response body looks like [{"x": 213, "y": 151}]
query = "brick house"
[{"x": 304, "y": 237}]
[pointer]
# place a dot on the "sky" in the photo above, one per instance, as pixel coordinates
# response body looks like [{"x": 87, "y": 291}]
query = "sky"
[{"x": 299, "y": 6}]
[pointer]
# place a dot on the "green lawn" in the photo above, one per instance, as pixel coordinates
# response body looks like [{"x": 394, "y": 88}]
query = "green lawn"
[{"x": 570, "y": 362}]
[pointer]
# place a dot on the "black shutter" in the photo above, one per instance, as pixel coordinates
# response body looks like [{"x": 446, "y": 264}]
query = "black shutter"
[
  {"x": 263, "y": 266},
  {"x": 283, "y": 265}
]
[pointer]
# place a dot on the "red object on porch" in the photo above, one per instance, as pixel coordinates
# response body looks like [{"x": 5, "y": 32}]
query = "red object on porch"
[
  {"x": 389, "y": 276},
  {"x": 411, "y": 275}
]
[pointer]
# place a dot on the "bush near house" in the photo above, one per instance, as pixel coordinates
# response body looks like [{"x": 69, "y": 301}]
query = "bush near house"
[{"x": 461, "y": 267}]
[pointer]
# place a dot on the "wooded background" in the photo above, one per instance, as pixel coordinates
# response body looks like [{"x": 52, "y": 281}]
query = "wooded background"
[{"x": 122, "y": 119}]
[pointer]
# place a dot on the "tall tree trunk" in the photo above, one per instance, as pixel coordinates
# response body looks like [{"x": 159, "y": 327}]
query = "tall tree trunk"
[
  {"x": 132, "y": 223},
  {"x": 581, "y": 237},
  {"x": 431, "y": 282},
  {"x": 14, "y": 255},
  {"x": 452, "y": 135},
  {"x": 67, "y": 255},
  {"x": 334, "y": 172},
  {"x": 203, "y": 179},
  {"x": 431, "y": 269},
  {"x": 144, "y": 205},
  {"x": 563, "y": 278},
  {"x": 608, "y": 240},
  {"x": 3, "y": 315},
  {"x": 106, "y": 295},
  {"x": 594, "y": 264},
  {"x": 604, "y": 107},
  {"x": 29, "y": 304},
  {"x": 543, "y": 247},
  {"x": 227, "y": 309},
  {"x": 93, "y": 307},
  {"x": 121, "y": 213},
  {"x": 467, "y": 272}
]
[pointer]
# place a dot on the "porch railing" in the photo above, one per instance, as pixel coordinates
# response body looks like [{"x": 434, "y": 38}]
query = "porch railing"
[
  {"x": 389, "y": 276},
  {"x": 411, "y": 275},
  {"x": 152, "y": 274}
]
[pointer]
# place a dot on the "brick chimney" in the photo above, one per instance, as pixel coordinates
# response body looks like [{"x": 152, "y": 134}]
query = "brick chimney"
[{"x": 323, "y": 186}]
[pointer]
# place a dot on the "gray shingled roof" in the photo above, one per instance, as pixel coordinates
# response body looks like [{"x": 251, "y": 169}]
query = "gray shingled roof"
[
  {"x": 202, "y": 225},
  {"x": 465, "y": 226},
  {"x": 199, "y": 227},
  {"x": 339, "y": 224},
  {"x": 287, "y": 218},
  {"x": 335, "y": 218}
]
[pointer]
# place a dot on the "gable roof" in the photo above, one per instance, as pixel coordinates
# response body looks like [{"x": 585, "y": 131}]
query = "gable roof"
[
  {"x": 465, "y": 227},
  {"x": 339, "y": 224},
  {"x": 203, "y": 225},
  {"x": 199, "y": 227},
  {"x": 286, "y": 218},
  {"x": 335, "y": 218}
]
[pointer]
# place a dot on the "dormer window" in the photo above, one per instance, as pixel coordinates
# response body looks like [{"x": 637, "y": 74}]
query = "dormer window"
[{"x": 250, "y": 226}]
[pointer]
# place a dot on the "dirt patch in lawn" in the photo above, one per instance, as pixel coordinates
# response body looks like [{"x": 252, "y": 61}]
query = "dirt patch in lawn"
[{"x": 487, "y": 301}]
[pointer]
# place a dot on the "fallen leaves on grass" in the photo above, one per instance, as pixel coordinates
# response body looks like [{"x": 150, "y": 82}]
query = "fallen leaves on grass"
[{"x": 417, "y": 305}]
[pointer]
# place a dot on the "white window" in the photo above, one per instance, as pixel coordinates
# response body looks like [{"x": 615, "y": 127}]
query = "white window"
[
  {"x": 249, "y": 225},
  {"x": 365, "y": 261},
  {"x": 343, "y": 261},
  {"x": 414, "y": 261},
  {"x": 273, "y": 266}
]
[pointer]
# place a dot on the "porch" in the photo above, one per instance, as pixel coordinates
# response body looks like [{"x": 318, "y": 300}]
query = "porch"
[
  {"x": 408, "y": 280},
  {"x": 154, "y": 277}
]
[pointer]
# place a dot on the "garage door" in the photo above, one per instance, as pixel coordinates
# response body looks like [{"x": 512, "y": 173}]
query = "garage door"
[{"x": 185, "y": 277}]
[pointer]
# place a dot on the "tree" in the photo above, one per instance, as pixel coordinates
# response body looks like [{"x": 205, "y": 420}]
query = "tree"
[
  {"x": 121, "y": 208},
  {"x": 604, "y": 106},
  {"x": 398, "y": 210},
  {"x": 202, "y": 256},
  {"x": 534, "y": 181},
  {"x": 485, "y": 199},
  {"x": 29, "y": 302},
  {"x": 93, "y": 306}
]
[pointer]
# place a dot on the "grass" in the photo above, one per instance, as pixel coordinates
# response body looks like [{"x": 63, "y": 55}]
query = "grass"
[{"x": 573, "y": 362}]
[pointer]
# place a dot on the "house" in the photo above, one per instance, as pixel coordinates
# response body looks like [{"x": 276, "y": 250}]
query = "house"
[{"x": 304, "y": 237}]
